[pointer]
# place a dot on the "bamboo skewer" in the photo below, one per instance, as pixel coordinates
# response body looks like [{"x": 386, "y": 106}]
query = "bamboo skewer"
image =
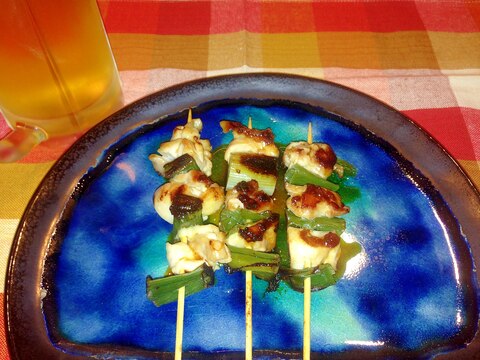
[
  {"x": 180, "y": 316},
  {"x": 307, "y": 289},
  {"x": 248, "y": 303},
  {"x": 248, "y": 315},
  {"x": 306, "y": 317}
]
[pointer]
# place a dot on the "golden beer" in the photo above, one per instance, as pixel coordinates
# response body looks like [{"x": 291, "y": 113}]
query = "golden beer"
[{"x": 57, "y": 71}]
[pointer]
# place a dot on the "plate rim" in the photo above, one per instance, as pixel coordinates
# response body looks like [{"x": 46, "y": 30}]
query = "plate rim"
[{"x": 30, "y": 238}]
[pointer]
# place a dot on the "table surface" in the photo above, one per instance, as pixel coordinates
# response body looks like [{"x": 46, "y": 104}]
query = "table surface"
[{"x": 421, "y": 57}]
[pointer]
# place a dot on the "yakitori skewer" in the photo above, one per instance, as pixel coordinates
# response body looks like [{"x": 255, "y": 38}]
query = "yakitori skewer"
[
  {"x": 181, "y": 302},
  {"x": 194, "y": 249},
  {"x": 252, "y": 158},
  {"x": 313, "y": 228},
  {"x": 248, "y": 304},
  {"x": 307, "y": 290}
]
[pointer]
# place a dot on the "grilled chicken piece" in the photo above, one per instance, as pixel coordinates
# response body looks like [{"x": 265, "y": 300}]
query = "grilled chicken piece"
[
  {"x": 182, "y": 259},
  {"x": 249, "y": 141},
  {"x": 185, "y": 140},
  {"x": 193, "y": 183},
  {"x": 208, "y": 242},
  {"x": 318, "y": 158},
  {"x": 311, "y": 201},
  {"x": 259, "y": 236},
  {"x": 247, "y": 195},
  {"x": 310, "y": 248}
]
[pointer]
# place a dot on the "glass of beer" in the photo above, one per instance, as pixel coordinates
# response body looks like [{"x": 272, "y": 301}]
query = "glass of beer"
[{"x": 58, "y": 76}]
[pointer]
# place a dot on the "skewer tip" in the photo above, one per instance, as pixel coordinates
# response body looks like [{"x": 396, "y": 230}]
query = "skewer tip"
[
  {"x": 190, "y": 117},
  {"x": 309, "y": 133}
]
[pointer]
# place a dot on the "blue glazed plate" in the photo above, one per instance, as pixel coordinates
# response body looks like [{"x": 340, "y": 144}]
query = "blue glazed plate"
[{"x": 76, "y": 282}]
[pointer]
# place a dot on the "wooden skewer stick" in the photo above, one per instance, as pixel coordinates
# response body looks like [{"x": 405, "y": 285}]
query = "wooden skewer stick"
[
  {"x": 248, "y": 315},
  {"x": 180, "y": 315},
  {"x": 248, "y": 303},
  {"x": 307, "y": 289}
]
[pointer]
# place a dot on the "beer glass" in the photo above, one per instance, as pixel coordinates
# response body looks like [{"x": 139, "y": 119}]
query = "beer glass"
[{"x": 57, "y": 72}]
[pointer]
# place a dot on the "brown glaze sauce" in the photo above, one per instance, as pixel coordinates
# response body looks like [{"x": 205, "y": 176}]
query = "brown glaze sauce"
[
  {"x": 255, "y": 232},
  {"x": 329, "y": 240},
  {"x": 251, "y": 197},
  {"x": 315, "y": 194},
  {"x": 199, "y": 176},
  {"x": 326, "y": 157},
  {"x": 265, "y": 135}
]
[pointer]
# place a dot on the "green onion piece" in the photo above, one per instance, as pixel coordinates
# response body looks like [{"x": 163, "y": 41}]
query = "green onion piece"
[
  {"x": 349, "y": 170},
  {"x": 318, "y": 224},
  {"x": 180, "y": 165},
  {"x": 229, "y": 219},
  {"x": 186, "y": 211},
  {"x": 165, "y": 290},
  {"x": 281, "y": 247},
  {"x": 348, "y": 251},
  {"x": 280, "y": 196},
  {"x": 264, "y": 265},
  {"x": 335, "y": 178},
  {"x": 219, "y": 176},
  {"x": 321, "y": 277},
  {"x": 215, "y": 217},
  {"x": 339, "y": 176},
  {"x": 349, "y": 193},
  {"x": 298, "y": 175},
  {"x": 246, "y": 167}
]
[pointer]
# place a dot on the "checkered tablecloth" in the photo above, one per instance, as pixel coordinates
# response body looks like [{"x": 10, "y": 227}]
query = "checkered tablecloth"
[{"x": 421, "y": 57}]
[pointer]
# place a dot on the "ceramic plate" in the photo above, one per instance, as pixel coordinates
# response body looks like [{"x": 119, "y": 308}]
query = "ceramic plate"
[{"x": 90, "y": 237}]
